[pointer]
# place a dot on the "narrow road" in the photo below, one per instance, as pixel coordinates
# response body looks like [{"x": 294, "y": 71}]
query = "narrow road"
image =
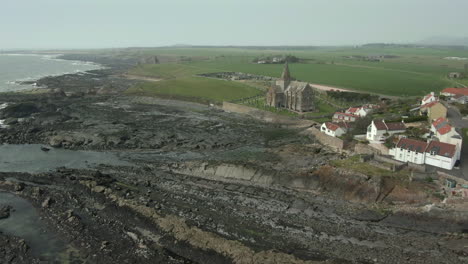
[
  {"x": 456, "y": 119},
  {"x": 141, "y": 78}
]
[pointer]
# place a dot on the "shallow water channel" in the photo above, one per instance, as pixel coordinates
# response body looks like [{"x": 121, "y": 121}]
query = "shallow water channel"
[
  {"x": 32, "y": 159},
  {"x": 24, "y": 222}
]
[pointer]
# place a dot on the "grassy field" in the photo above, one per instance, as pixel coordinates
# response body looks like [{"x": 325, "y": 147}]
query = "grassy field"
[
  {"x": 414, "y": 72},
  {"x": 365, "y": 168},
  {"x": 195, "y": 89},
  {"x": 179, "y": 82}
]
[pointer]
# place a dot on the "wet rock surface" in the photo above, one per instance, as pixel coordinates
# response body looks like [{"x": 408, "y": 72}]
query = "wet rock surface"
[
  {"x": 203, "y": 186},
  {"x": 5, "y": 211},
  {"x": 14, "y": 250}
]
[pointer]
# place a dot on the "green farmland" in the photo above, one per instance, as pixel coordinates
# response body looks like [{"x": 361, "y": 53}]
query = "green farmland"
[
  {"x": 413, "y": 71},
  {"x": 178, "y": 81},
  {"x": 195, "y": 89}
]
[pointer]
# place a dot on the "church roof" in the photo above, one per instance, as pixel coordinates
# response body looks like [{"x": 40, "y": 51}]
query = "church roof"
[
  {"x": 286, "y": 75},
  {"x": 296, "y": 87}
]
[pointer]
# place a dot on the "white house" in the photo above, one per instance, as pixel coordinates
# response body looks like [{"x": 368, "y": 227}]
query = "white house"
[
  {"x": 452, "y": 92},
  {"x": 358, "y": 111},
  {"x": 409, "y": 150},
  {"x": 334, "y": 129},
  {"x": 446, "y": 133},
  {"x": 379, "y": 130},
  {"x": 344, "y": 117},
  {"x": 429, "y": 99},
  {"x": 435, "y": 153},
  {"x": 441, "y": 155}
]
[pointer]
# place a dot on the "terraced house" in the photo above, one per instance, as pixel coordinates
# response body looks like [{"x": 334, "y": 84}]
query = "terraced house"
[
  {"x": 434, "y": 153},
  {"x": 344, "y": 117},
  {"x": 410, "y": 150},
  {"x": 444, "y": 132},
  {"x": 380, "y": 130}
]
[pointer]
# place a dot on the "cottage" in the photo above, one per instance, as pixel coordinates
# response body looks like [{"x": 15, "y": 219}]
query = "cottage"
[
  {"x": 358, "y": 111},
  {"x": 441, "y": 155},
  {"x": 409, "y": 150},
  {"x": 455, "y": 75},
  {"x": 434, "y": 110},
  {"x": 451, "y": 92},
  {"x": 446, "y": 133},
  {"x": 344, "y": 117},
  {"x": 335, "y": 129},
  {"x": 429, "y": 98},
  {"x": 379, "y": 130},
  {"x": 292, "y": 95}
]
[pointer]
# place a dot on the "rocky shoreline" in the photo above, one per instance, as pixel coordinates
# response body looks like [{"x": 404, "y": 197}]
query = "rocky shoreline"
[{"x": 203, "y": 186}]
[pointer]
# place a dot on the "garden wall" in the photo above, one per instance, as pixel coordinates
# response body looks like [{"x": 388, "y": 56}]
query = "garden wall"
[
  {"x": 332, "y": 142},
  {"x": 360, "y": 148}
]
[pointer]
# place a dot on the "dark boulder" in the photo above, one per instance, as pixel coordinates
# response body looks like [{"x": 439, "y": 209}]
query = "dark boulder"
[
  {"x": 5, "y": 211},
  {"x": 19, "y": 110}
]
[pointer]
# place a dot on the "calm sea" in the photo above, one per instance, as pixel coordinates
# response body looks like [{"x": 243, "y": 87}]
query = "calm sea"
[{"x": 19, "y": 67}]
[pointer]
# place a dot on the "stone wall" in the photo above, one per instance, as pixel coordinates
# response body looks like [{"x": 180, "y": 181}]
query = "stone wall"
[
  {"x": 365, "y": 149},
  {"x": 329, "y": 141},
  {"x": 266, "y": 116},
  {"x": 388, "y": 160},
  {"x": 418, "y": 167}
]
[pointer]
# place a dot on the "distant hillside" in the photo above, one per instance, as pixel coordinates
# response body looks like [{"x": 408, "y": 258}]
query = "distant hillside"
[{"x": 445, "y": 41}]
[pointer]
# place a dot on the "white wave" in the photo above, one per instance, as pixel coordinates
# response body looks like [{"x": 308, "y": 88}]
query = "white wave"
[
  {"x": 2, "y": 125},
  {"x": 3, "y": 106}
]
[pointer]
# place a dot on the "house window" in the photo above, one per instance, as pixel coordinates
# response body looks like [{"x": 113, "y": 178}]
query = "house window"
[{"x": 401, "y": 156}]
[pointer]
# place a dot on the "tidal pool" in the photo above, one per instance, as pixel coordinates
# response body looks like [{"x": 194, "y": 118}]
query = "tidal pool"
[{"x": 32, "y": 159}]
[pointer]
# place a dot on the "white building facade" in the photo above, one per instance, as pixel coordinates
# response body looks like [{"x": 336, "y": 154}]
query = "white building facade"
[
  {"x": 334, "y": 129},
  {"x": 434, "y": 153},
  {"x": 429, "y": 98},
  {"x": 409, "y": 150},
  {"x": 378, "y": 130}
]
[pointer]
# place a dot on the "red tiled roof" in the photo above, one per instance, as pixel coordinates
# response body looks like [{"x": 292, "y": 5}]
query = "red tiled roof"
[
  {"x": 335, "y": 125},
  {"x": 412, "y": 145},
  {"x": 427, "y": 97},
  {"x": 332, "y": 126},
  {"x": 445, "y": 129},
  {"x": 380, "y": 125},
  {"x": 441, "y": 149},
  {"x": 431, "y": 104},
  {"x": 442, "y": 125},
  {"x": 439, "y": 121},
  {"x": 345, "y": 114},
  {"x": 395, "y": 126},
  {"x": 463, "y": 91},
  {"x": 353, "y": 109}
]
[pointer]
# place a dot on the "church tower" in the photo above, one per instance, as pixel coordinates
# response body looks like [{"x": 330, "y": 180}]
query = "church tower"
[{"x": 285, "y": 79}]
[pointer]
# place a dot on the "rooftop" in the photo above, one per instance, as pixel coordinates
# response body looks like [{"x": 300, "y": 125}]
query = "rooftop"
[
  {"x": 412, "y": 145},
  {"x": 441, "y": 149},
  {"x": 442, "y": 125},
  {"x": 462, "y": 91}
]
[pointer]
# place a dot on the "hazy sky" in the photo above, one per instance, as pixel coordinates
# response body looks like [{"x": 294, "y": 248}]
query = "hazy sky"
[{"x": 122, "y": 23}]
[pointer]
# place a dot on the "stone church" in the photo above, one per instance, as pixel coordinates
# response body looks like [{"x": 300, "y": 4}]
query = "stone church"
[{"x": 289, "y": 94}]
